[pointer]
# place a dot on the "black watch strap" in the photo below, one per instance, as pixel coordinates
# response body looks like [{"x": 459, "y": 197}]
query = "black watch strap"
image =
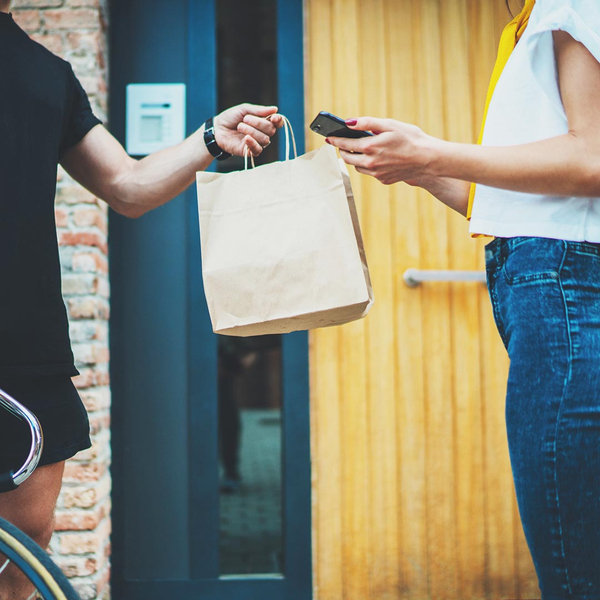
[{"x": 211, "y": 142}]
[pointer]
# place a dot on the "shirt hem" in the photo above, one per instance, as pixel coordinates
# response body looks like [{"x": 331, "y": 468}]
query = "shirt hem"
[{"x": 542, "y": 229}]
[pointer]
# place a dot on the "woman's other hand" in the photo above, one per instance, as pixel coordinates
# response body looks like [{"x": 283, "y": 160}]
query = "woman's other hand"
[
  {"x": 397, "y": 152},
  {"x": 248, "y": 125}
]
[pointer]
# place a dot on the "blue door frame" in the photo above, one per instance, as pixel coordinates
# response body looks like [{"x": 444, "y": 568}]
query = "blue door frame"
[{"x": 204, "y": 581}]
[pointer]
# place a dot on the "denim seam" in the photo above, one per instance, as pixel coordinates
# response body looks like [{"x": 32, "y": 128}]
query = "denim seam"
[
  {"x": 559, "y": 416},
  {"x": 494, "y": 300}
]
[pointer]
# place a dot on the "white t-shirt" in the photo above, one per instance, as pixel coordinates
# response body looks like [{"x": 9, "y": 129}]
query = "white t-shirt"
[{"x": 526, "y": 107}]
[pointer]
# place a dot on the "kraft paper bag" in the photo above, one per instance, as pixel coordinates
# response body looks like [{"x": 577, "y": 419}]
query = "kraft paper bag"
[{"x": 281, "y": 246}]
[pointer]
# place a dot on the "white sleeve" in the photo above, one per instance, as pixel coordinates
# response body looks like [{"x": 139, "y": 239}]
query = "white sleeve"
[{"x": 580, "y": 19}]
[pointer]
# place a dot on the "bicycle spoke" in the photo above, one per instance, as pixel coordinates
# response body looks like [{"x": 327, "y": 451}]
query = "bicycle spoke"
[{"x": 4, "y": 566}]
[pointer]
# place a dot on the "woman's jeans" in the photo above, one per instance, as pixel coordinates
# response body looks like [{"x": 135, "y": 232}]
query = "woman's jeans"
[{"x": 546, "y": 300}]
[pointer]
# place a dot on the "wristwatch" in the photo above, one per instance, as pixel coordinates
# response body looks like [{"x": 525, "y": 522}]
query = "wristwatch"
[{"x": 211, "y": 142}]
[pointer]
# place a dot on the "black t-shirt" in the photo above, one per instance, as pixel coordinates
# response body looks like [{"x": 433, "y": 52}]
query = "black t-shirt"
[{"x": 44, "y": 111}]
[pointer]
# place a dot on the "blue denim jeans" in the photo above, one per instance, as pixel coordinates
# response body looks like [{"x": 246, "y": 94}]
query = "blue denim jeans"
[{"x": 546, "y": 299}]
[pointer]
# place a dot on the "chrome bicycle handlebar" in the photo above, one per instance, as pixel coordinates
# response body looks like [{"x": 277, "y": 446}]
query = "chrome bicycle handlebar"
[{"x": 37, "y": 439}]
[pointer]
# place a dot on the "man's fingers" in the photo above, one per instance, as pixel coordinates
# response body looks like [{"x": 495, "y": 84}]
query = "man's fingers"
[
  {"x": 257, "y": 109},
  {"x": 259, "y": 136},
  {"x": 277, "y": 120},
  {"x": 254, "y": 147},
  {"x": 264, "y": 125}
]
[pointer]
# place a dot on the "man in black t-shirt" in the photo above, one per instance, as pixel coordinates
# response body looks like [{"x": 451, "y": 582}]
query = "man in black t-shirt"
[{"x": 46, "y": 119}]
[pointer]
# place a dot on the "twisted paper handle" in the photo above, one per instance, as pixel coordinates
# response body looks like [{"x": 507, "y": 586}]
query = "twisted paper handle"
[{"x": 289, "y": 133}]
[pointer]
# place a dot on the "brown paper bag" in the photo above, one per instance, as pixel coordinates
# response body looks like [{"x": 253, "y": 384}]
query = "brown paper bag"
[{"x": 281, "y": 246}]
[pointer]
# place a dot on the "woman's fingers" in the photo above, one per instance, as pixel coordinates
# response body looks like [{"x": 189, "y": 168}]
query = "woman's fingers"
[
  {"x": 262, "y": 138},
  {"x": 264, "y": 125},
  {"x": 360, "y": 146},
  {"x": 364, "y": 171},
  {"x": 355, "y": 159},
  {"x": 369, "y": 124}
]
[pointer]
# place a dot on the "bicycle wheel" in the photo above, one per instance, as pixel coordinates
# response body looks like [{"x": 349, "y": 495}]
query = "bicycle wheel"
[{"x": 35, "y": 564}]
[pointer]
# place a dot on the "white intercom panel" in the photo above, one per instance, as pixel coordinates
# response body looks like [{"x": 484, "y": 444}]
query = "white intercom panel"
[{"x": 155, "y": 117}]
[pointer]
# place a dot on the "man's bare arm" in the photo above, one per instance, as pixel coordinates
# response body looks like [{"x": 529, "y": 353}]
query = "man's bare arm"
[{"x": 133, "y": 187}]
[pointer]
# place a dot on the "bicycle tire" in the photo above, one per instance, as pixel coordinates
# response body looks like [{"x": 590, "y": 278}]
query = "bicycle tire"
[{"x": 35, "y": 564}]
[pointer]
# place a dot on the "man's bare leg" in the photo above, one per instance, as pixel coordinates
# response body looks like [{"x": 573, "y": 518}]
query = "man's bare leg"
[{"x": 31, "y": 509}]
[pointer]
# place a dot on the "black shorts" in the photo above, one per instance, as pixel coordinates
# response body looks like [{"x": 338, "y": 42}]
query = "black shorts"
[{"x": 56, "y": 403}]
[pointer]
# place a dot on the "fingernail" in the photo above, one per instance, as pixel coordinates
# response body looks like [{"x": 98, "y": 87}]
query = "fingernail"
[
  {"x": 327, "y": 140},
  {"x": 351, "y": 122}
]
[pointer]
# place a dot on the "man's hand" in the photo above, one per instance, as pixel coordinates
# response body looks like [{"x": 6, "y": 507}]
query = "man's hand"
[
  {"x": 133, "y": 187},
  {"x": 246, "y": 125}
]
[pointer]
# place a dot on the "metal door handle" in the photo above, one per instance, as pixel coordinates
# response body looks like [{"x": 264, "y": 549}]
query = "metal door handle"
[{"x": 414, "y": 277}]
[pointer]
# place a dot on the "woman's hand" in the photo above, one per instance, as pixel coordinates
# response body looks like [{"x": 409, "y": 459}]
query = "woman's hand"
[
  {"x": 246, "y": 125},
  {"x": 398, "y": 151}
]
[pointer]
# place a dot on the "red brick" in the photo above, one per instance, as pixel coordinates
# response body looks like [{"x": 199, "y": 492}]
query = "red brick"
[
  {"x": 96, "y": 399},
  {"x": 102, "y": 354},
  {"x": 79, "y": 283},
  {"x": 74, "y": 194},
  {"x": 85, "y": 43},
  {"x": 91, "y": 378},
  {"x": 86, "y": 590},
  {"x": 89, "y": 262},
  {"x": 80, "y": 543},
  {"x": 83, "y": 472},
  {"x": 87, "y": 331},
  {"x": 77, "y": 3},
  {"x": 92, "y": 590},
  {"x": 77, "y": 566},
  {"x": 82, "y": 331},
  {"x": 71, "y": 18},
  {"x": 90, "y": 217},
  {"x": 29, "y": 20},
  {"x": 54, "y": 43},
  {"x": 99, "y": 423},
  {"x": 90, "y": 83},
  {"x": 83, "y": 496},
  {"x": 71, "y": 521},
  {"x": 90, "y": 354},
  {"x": 84, "y": 238},
  {"x": 101, "y": 334},
  {"x": 91, "y": 453},
  {"x": 62, "y": 217},
  {"x": 36, "y": 3},
  {"x": 103, "y": 289},
  {"x": 88, "y": 307}
]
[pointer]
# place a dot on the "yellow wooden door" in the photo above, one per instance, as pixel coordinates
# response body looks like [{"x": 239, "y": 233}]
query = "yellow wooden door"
[{"x": 412, "y": 490}]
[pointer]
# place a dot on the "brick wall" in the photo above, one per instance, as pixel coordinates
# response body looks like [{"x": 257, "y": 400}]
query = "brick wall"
[{"x": 76, "y": 30}]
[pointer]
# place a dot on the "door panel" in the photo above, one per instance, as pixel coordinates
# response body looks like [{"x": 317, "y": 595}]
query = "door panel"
[
  {"x": 164, "y": 354},
  {"x": 413, "y": 494}
]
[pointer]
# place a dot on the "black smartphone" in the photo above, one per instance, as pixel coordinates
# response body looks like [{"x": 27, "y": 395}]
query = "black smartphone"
[{"x": 331, "y": 126}]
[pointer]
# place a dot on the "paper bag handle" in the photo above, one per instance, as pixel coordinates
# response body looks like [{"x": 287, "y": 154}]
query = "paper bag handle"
[
  {"x": 246, "y": 153},
  {"x": 289, "y": 132}
]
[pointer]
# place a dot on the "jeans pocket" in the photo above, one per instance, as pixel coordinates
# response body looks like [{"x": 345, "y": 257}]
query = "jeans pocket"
[{"x": 533, "y": 260}]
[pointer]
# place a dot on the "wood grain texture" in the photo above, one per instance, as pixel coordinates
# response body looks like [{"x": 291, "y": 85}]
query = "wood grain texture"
[{"x": 412, "y": 489}]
